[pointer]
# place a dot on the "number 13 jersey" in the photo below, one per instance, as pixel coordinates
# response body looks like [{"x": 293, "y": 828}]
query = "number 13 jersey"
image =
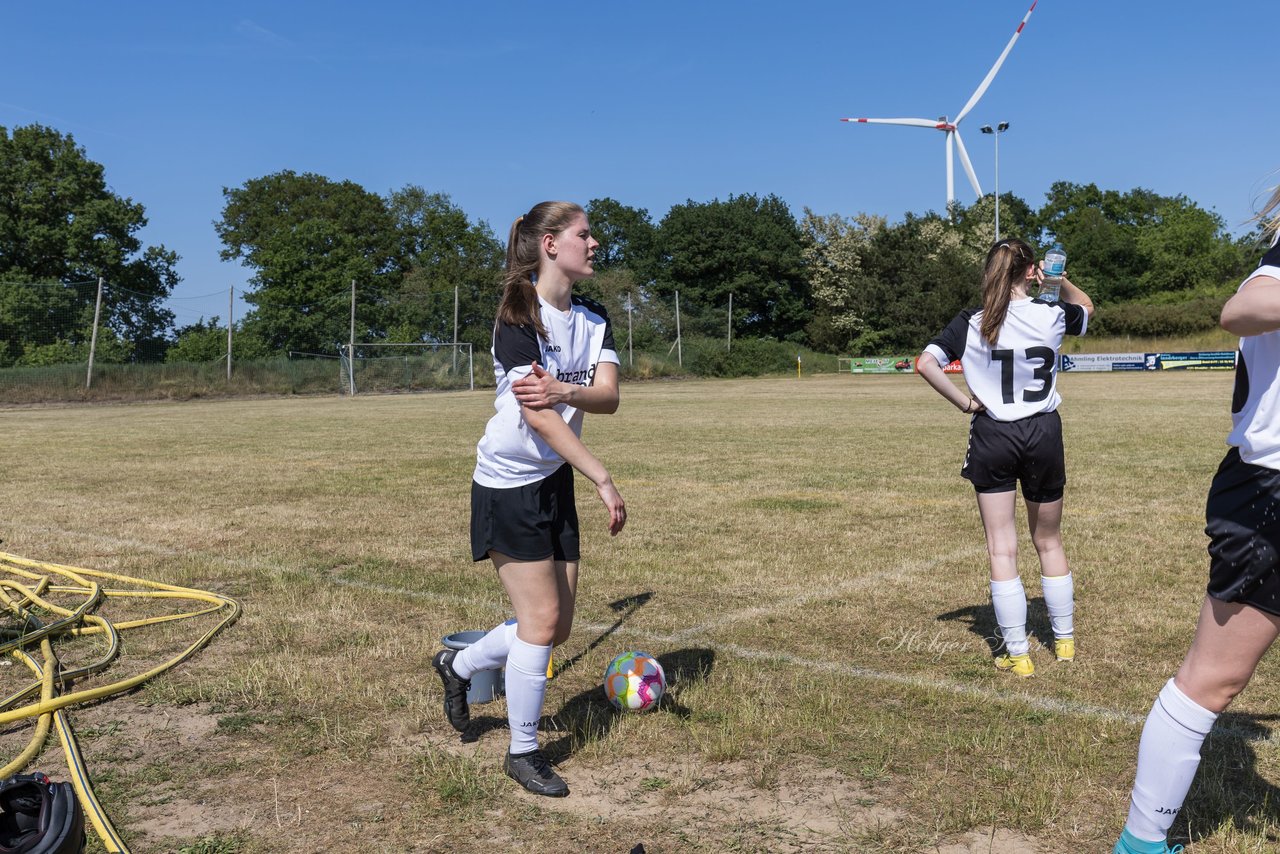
[{"x": 1017, "y": 377}]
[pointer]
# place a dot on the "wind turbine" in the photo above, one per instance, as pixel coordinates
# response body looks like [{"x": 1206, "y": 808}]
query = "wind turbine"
[{"x": 952, "y": 128}]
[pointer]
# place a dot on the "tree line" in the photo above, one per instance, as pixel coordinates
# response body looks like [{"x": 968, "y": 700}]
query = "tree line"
[{"x": 857, "y": 285}]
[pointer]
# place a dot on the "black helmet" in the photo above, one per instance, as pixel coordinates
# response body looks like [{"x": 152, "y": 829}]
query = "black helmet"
[{"x": 39, "y": 817}]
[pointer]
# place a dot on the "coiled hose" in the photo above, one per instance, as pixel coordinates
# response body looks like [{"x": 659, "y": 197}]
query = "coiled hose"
[{"x": 25, "y": 588}]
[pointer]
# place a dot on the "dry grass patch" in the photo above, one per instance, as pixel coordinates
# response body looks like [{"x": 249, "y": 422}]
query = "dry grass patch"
[{"x": 802, "y": 555}]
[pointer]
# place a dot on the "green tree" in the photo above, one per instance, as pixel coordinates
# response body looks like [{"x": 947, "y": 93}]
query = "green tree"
[
  {"x": 206, "y": 341},
  {"x": 442, "y": 250},
  {"x": 626, "y": 235},
  {"x": 747, "y": 246},
  {"x": 61, "y": 226},
  {"x": 307, "y": 238},
  {"x": 1138, "y": 244},
  {"x": 912, "y": 279},
  {"x": 833, "y": 250},
  {"x": 977, "y": 222}
]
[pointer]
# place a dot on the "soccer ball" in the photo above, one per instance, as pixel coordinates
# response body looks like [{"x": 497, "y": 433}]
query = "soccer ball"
[{"x": 634, "y": 681}]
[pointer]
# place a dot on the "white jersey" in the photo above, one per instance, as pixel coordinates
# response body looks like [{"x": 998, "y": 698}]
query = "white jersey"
[
  {"x": 511, "y": 453},
  {"x": 1017, "y": 377},
  {"x": 1255, "y": 405}
]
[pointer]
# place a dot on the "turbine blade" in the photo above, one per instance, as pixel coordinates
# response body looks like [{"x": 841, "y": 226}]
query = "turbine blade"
[
  {"x": 991, "y": 75},
  {"x": 968, "y": 167},
  {"x": 919, "y": 123}
]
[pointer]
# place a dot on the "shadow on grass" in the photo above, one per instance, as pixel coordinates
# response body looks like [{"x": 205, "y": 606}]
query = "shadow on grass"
[
  {"x": 589, "y": 716},
  {"x": 981, "y": 620},
  {"x": 624, "y": 608},
  {"x": 1228, "y": 790}
]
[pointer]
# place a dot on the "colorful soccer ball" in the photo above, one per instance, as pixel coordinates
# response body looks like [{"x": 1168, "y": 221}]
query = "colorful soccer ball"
[{"x": 634, "y": 681}]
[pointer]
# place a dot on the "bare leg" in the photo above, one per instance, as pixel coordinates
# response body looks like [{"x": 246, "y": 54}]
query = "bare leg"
[
  {"x": 534, "y": 590},
  {"x": 996, "y": 510},
  {"x": 1045, "y": 521},
  {"x": 1008, "y": 596},
  {"x": 567, "y": 596},
  {"x": 1230, "y": 641}
]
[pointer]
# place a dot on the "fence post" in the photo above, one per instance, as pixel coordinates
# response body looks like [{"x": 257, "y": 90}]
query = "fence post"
[
  {"x": 351, "y": 343},
  {"x": 729, "y": 346},
  {"x": 93, "y": 339},
  {"x": 231, "y": 307},
  {"x": 631, "y": 355},
  {"x": 679, "y": 346},
  {"x": 351, "y": 369}
]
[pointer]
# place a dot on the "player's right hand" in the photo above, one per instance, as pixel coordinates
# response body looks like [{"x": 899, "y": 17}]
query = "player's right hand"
[{"x": 614, "y": 504}]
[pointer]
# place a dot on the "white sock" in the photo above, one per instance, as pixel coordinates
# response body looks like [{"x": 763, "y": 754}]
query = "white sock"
[
  {"x": 1010, "y": 601},
  {"x": 526, "y": 686},
  {"x": 488, "y": 653},
  {"x": 1168, "y": 756},
  {"x": 1060, "y": 597}
]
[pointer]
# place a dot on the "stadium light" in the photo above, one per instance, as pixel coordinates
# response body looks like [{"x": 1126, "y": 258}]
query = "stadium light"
[{"x": 999, "y": 129}]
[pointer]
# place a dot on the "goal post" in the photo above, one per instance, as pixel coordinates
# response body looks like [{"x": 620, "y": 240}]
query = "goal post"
[{"x": 383, "y": 367}]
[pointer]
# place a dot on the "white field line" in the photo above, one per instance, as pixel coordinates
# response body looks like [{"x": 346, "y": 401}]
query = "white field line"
[
  {"x": 1047, "y": 704},
  {"x": 901, "y": 572}
]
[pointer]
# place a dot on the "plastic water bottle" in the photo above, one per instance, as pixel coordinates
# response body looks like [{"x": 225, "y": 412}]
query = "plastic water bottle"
[{"x": 1055, "y": 264}]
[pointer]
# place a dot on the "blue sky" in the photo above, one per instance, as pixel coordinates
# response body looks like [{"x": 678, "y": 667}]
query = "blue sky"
[{"x": 503, "y": 104}]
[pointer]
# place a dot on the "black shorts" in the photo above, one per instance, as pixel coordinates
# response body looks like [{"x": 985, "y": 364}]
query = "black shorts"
[
  {"x": 1002, "y": 453},
  {"x": 531, "y": 522},
  {"x": 1242, "y": 519}
]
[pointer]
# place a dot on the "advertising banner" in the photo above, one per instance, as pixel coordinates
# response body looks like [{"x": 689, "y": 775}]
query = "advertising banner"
[
  {"x": 882, "y": 365},
  {"x": 1103, "y": 362},
  {"x": 953, "y": 367},
  {"x": 1221, "y": 360}
]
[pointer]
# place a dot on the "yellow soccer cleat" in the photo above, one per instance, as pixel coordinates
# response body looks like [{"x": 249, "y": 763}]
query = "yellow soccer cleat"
[
  {"x": 1018, "y": 665},
  {"x": 1064, "y": 649}
]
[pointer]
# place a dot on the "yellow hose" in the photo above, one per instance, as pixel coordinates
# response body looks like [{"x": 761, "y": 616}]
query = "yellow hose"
[{"x": 25, "y": 599}]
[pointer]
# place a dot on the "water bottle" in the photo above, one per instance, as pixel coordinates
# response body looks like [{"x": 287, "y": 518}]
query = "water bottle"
[{"x": 1055, "y": 264}]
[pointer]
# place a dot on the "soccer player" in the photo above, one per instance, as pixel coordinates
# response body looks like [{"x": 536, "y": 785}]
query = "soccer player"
[
  {"x": 554, "y": 359},
  {"x": 1240, "y": 615},
  {"x": 1008, "y": 349}
]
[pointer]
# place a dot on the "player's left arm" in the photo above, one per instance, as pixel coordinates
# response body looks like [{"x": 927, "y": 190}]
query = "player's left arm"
[
  {"x": 540, "y": 390},
  {"x": 1254, "y": 309}
]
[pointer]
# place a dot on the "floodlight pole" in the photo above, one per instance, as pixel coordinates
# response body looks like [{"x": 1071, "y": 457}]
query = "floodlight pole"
[
  {"x": 455, "y": 329},
  {"x": 729, "y": 339},
  {"x": 999, "y": 129}
]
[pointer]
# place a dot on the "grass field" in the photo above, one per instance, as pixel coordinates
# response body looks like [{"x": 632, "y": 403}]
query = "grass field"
[{"x": 801, "y": 554}]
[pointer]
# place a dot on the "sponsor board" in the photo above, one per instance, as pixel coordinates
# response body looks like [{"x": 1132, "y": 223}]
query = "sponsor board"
[
  {"x": 953, "y": 367},
  {"x": 1103, "y": 362},
  {"x": 882, "y": 365},
  {"x": 1218, "y": 360}
]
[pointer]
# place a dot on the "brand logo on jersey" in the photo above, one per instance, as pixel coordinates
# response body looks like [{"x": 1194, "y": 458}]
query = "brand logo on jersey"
[
  {"x": 577, "y": 377},
  {"x": 553, "y": 348}
]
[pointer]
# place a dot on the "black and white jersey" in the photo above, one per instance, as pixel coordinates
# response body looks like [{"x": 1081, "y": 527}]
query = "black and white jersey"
[
  {"x": 1255, "y": 405},
  {"x": 511, "y": 453},
  {"x": 1016, "y": 378}
]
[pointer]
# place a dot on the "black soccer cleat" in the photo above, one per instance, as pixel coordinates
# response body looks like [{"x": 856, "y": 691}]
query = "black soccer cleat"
[
  {"x": 533, "y": 771},
  {"x": 455, "y": 690}
]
